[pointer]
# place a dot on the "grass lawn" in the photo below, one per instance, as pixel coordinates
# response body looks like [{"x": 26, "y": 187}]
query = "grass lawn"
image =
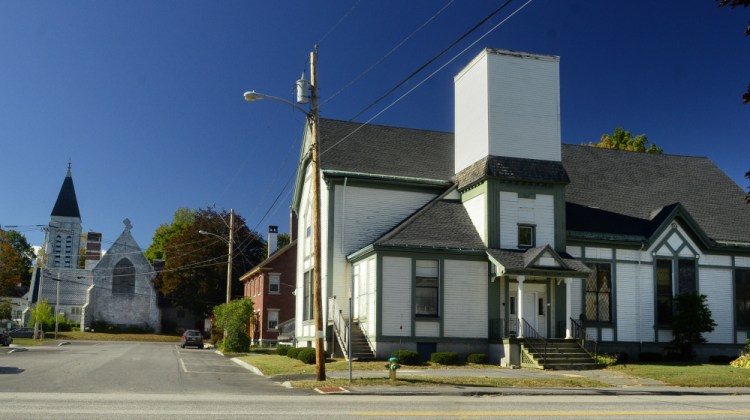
[
  {"x": 97, "y": 336},
  {"x": 689, "y": 375},
  {"x": 273, "y": 365}
]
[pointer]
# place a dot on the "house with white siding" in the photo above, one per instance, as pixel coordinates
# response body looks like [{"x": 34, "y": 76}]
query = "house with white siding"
[{"x": 497, "y": 235}]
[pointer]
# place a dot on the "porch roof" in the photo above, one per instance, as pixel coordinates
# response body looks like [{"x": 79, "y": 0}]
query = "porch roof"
[{"x": 531, "y": 262}]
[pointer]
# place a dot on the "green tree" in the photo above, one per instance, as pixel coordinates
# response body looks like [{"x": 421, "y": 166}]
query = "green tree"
[
  {"x": 235, "y": 318},
  {"x": 623, "y": 140},
  {"x": 41, "y": 314},
  {"x": 281, "y": 241},
  {"x": 16, "y": 257},
  {"x": 182, "y": 219},
  {"x": 691, "y": 319},
  {"x": 733, "y": 4},
  {"x": 6, "y": 308},
  {"x": 195, "y": 270}
]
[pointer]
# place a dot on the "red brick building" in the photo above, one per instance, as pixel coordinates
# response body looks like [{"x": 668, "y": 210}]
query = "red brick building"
[{"x": 271, "y": 287}]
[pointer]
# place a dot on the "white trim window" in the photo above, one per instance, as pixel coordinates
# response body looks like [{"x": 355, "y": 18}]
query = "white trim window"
[
  {"x": 274, "y": 283},
  {"x": 273, "y": 319}
]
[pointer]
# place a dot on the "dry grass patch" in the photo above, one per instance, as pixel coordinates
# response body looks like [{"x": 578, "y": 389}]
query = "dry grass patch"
[
  {"x": 97, "y": 336},
  {"x": 689, "y": 375},
  {"x": 457, "y": 381}
]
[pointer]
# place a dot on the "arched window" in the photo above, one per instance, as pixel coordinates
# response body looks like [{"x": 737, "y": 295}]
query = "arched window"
[{"x": 123, "y": 277}]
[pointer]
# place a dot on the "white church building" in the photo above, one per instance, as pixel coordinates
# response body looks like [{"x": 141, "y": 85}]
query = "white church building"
[{"x": 115, "y": 289}]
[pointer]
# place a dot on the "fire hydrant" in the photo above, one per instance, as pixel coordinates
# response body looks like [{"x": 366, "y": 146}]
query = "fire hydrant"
[{"x": 392, "y": 366}]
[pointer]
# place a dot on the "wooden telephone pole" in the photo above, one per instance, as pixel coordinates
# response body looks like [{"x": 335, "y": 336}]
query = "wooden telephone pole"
[{"x": 320, "y": 353}]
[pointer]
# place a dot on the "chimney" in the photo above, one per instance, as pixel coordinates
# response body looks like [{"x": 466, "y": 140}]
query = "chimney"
[
  {"x": 507, "y": 104},
  {"x": 273, "y": 243}
]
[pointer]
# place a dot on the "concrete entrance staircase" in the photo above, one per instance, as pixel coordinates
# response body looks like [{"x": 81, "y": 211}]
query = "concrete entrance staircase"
[
  {"x": 561, "y": 355},
  {"x": 360, "y": 346}
]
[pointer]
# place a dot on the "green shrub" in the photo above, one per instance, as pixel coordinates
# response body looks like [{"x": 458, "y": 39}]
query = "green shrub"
[
  {"x": 282, "y": 350},
  {"x": 741, "y": 362},
  {"x": 406, "y": 357},
  {"x": 650, "y": 357},
  {"x": 607, "y": 359},
  {"x": 306, "y": 355},
  {"x": 478, "y": 358},
  {"x": 292, "y": 352},
  {"x": 444, "y": 358}
]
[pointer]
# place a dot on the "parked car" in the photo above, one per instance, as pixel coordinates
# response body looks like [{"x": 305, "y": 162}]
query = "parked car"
[
  {"x": 22, "y": 333},
  {"x": 192, "y": 338},
  {"x": 5, "y": 338}
]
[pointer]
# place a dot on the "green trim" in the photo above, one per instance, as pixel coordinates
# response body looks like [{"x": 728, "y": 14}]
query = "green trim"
[
  {"x": 548, "y": 308},
  {"x": 535, "y": 272},
  {"x": 378, "y": 184},
  {"x": 378, "y": 296},
  {"x": 330, "y": 245},
  {"x": 388, "y": 178},
  {"x": 493, "y": 294}
]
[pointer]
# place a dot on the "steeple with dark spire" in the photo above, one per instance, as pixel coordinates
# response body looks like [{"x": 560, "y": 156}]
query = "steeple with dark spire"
[{"x": 67, "y": 203}]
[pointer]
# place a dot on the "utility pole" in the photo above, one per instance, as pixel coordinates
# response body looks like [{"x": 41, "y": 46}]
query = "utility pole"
[
  {"x": 320, "y": 354},
  {"x": 57, "y": 302},
  {"x": 229, "y": 259}
]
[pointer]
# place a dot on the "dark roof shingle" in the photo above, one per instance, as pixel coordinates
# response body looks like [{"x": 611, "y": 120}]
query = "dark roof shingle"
[{"x": 383, "y": 150}]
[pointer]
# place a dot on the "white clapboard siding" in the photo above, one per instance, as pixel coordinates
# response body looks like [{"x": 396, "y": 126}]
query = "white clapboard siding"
[
  {"x": 476, "y": 207},
  {"x": 372, "y": 288},
  {"x": 742, "y": 261},
  {"x": 598, "y": 253},
  {"x": 537, "y": 211},
  {"x": 627, "y": 301},
  {"x": 465, "y": 300},
  {"x": 397, "y": 287},
  {"x": 368, "y": 213},
  {"x": 721, "y": 260},
  {"x": 426, "y": 329},
  {"x": 635, "y": 297},
  {"x": 717, "y": 285},
  {"x": 574, "y": 251}
]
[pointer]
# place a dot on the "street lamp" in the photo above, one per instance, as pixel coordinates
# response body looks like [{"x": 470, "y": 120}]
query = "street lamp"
[
  {"x": 230, "y": 243},
  {"x": 312, "y": 119}
]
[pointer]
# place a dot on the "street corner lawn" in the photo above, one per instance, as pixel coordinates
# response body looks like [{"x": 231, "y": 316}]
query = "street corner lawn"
[
  {"x": 687, "y": 374},
  {"x": 99, "y": 336},
  {"x": 287, "y": 368}
]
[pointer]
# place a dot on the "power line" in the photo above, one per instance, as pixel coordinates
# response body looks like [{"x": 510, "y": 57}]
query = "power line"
[
  {"x": 335, "y": 25},
  {"x": 430, "y": 61},
  {"x": 356, "y": 79},
  {"x": 428, "y": 77}
]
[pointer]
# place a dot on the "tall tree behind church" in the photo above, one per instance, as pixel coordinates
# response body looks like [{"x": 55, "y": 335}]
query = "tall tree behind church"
[{"x": 195, "y": 270}]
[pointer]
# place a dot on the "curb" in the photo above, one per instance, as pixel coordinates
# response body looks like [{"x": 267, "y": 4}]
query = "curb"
[{"x": 246, "y": 365}]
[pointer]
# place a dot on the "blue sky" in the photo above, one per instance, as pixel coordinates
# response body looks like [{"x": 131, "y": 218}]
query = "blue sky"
[{"x": 145, "y": 97}]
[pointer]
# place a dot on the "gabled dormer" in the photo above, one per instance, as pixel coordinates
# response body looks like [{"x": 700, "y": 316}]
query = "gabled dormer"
[{"x": 507, "y": 149}]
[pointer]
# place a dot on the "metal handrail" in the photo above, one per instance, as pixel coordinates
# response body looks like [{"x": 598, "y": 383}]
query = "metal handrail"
[
  {"x": 536, "y": 342},
  {"x": 339, "y": 324},
  {"x": 582, "y": 338},
  {"x": 502, "y": 328}
]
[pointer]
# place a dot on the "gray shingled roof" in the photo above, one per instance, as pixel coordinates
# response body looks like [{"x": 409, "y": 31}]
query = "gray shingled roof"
[
  {"x": 610, "y": 192},
  {"x": 67, "y": 203},
  {"x": 512, "y": 169},
  {"x": 519, "y": 260},
  {"x": 383, "y": 150},
  {"x": 615, "y": 190},
  {"x": 442, "y": 224}
]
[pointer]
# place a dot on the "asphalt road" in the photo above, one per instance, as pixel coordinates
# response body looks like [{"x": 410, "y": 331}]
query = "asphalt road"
[
  {"x": 127, "y": 367},
  {"x": 161, "y": 381}
]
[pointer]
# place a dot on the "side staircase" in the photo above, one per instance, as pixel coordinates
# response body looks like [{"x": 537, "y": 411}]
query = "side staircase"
[
  {"x": 560, "y": 354},
  {"x": 360, "y": 345}
]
